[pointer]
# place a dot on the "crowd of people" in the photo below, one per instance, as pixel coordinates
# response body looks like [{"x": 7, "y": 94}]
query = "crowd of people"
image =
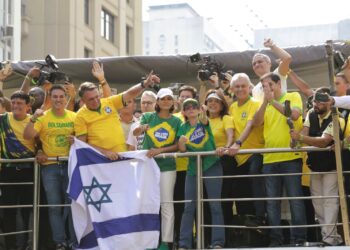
[{"x": 231, "y": 115}]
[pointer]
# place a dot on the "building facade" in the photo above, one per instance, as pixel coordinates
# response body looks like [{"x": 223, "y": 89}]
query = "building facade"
[
  {"x": 10, "y": 30},
  {"x": 304, "y": 35},
  {"x": 179, "y": 29},
  {"x": 81, "y": 28}
]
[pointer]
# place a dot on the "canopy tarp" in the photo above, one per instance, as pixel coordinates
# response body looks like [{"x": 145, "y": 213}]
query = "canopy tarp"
[{"x": 309, "y": 62}]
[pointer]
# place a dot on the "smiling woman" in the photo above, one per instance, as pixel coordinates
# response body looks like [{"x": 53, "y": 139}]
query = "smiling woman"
[{"x": 160, "y": 129}]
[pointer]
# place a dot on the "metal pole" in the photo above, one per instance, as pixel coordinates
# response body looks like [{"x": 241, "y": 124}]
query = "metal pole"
[
  {"x": 342, "y": 195},
  {"x": 35, "y": 206},
  {"x": 199, "y": 203},
  {"x": 337, "y": 144}
]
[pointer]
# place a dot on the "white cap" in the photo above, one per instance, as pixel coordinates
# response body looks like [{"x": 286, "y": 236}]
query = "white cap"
[
  {"x": 165, "y": 92},
  {"x": 214, "y": 95}
]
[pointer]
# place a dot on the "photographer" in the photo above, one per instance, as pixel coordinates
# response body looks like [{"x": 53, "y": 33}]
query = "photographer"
[{"x": 221, "y": 85}]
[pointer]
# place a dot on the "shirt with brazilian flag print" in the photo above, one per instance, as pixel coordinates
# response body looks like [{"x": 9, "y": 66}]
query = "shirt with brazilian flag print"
[
  {"x": 200, "y": 138},
  {"x": 161, "y": 133}
]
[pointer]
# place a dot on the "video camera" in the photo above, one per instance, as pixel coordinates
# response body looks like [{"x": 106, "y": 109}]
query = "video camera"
[
  {"x": 53, "y": 75},
  {"x": 208, "y": 67}
]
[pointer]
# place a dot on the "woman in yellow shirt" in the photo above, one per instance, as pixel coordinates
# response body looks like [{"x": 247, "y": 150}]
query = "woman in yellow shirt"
[{"x": 221, "y": 125}]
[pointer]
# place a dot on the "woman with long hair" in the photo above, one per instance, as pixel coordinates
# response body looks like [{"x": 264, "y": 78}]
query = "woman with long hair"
[
  {"x": 160, "y": 129},
  {"x": 222, "y": 127}
]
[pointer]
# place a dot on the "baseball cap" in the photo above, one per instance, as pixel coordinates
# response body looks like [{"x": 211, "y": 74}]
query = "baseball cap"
[
  {"x": 190, "y": 101},
  {"x": 164, "y": 92}
]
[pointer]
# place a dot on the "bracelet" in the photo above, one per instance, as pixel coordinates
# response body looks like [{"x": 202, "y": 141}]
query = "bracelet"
[
  {"x": 103, "y": 82},
  {"x": 301, "y": 138}
]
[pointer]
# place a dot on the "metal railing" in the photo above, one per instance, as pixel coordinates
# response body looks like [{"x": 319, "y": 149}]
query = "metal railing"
[{"x": 199, "y": 202}]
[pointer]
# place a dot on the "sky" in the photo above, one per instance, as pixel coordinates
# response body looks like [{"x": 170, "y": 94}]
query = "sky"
[{"x": 237, "y": 19}]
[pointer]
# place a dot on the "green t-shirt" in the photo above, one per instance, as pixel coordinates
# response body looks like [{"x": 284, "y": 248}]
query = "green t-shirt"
[
  {"x": 161, "y": 133},
  {"x": 200, "y": 138}
]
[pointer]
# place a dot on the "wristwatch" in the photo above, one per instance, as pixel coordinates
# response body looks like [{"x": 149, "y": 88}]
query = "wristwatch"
[{"x": 238, "y": 142}]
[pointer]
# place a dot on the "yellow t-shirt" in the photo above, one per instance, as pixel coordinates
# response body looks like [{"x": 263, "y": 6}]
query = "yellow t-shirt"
[
  {"x": 277, "y": 132},
  {"x": 181, "y": 163},
  {"x": 102, "y": 127},
  {"x": 18, "y": 128},
  {"x": 53, "y": 131},
  {"x": 218, "y": 127},
  {"x": 241, "y": 115}
]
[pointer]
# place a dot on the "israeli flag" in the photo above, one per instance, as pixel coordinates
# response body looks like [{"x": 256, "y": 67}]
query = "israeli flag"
[{"x": 115, "y": 204}]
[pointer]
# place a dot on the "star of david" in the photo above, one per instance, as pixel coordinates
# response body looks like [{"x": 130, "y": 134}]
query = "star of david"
[{"x": 104, "y": 198}]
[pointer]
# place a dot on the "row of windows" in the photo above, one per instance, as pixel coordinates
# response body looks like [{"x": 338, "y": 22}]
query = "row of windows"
[{"x": 108, "y": 27}]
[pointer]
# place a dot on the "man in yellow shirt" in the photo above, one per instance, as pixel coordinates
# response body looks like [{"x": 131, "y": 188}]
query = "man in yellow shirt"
[
  {"x": 98, "y": 123},
  {"x": 14, "y": 146},
  {"x": 54, "y": 127},
  {"x": 247, "y": 137},
  {"x": 277, "y": 135}
]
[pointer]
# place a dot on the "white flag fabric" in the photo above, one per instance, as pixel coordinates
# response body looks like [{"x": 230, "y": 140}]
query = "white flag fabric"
[{"x": 115, "y": 204}]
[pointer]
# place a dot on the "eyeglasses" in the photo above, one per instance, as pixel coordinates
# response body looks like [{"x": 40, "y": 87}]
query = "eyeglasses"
[{"x": 147, "y": 103}]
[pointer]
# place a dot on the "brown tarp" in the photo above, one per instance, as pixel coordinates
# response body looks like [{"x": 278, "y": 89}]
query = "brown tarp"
[{"x": 309, "y": 62}]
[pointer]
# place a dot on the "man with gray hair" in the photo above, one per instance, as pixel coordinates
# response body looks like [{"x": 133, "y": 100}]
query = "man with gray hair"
[
  {"x": 247, "y": 136},
  {"x": 148, "y": 102},
  {"x": 262, "y": 64}
]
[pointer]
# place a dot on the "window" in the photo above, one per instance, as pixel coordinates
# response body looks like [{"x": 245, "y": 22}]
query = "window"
[
  {"x": 86, "y": 11},
  {"x": 87, "y": 53},
  {"x": 107, "y": 25}
]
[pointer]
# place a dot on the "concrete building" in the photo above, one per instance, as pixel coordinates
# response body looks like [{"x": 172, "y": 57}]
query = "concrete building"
[
  {"x": 81, "y": 28},
  {"x": 304, "y": 35},
  {"x": 10, "y": 30},
  {"x": 179, "y": 29}
]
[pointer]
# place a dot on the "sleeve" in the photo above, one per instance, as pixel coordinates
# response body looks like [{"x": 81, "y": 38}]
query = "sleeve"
[
  {"x": 228, "y": 122},
  {"x": 80, "y": 126},
  {"x": 117, "y": 101},
  {"x": 180, "y": 131},
  {"x": 342, "y": 102},
  {"x": 145, "y": 118},
  {"x": 329, "y": 129},
  {"x": 38, "y": 126},
  {"x": 296, "y": 102},
  {"x": 307, "y": 120},
  {"x": 131, "y": 138}
]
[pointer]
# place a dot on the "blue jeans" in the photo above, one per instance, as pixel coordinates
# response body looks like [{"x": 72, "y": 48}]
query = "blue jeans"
[
  {"x": 292, "y": 185},
  {"x": 55, "y": 181},
  {"x": 255, "y": 163},
  {"x": 213, "y": 188}
]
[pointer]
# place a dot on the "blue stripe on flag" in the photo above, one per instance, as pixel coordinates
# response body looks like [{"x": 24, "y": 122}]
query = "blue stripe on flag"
[
  {"x": 131, "y": 224},
  {"x": 86, "y": 156}
]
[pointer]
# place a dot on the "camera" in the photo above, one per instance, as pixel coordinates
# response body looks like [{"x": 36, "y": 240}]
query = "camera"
[
  {"x": 53, "y": 74},
  {"x": 339, "y": 60},
  {"x": 208, "y": 67}
]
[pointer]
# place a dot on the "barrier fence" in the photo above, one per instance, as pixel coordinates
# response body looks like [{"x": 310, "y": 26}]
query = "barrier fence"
[{"x": 199, "y": 202}]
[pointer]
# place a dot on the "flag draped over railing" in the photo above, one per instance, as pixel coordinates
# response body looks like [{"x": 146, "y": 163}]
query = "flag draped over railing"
[{"x": 115, "y": 204}]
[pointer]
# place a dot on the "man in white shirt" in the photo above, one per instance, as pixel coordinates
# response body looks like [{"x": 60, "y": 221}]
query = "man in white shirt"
[{"x": 262, "y": 64}]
